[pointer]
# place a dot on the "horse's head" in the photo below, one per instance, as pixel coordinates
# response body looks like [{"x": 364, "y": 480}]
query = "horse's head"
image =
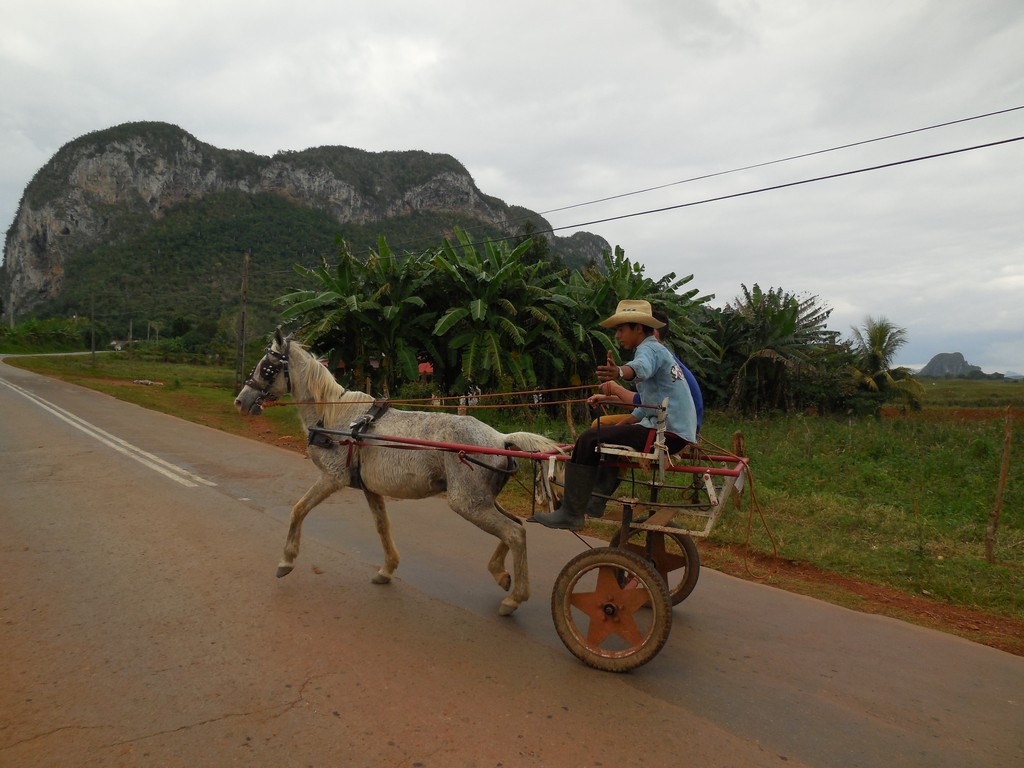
[{"x": 269, "y": 378}]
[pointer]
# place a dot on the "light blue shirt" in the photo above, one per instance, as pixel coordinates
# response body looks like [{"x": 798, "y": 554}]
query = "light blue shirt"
[{"x": 658, "y": 376}]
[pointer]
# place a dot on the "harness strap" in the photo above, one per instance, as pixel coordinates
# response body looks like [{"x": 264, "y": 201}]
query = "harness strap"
[
  {"x": 465, "y": 458},
  {"x": 268, "y": 370},
  {"x": 376, "y": 411},
  {"x": 318, "y": 437},
  {"x": 321, "y": 437}
]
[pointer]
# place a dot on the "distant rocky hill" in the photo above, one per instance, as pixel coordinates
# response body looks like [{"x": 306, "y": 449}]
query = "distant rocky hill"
[
  {"x": 128, "y": 210},
  {"x": 952, "y": 365}
]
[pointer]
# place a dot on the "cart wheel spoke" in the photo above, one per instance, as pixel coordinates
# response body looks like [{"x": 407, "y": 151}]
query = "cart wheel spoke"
[{"x": 610, "y": 607}]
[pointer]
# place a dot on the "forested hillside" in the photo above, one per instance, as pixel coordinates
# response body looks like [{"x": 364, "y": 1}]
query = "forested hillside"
[{"x": 145, "y": 223}]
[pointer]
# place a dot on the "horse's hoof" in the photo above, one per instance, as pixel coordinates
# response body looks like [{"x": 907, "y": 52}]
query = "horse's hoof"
[
  {"x": 380, "y": 578},
  {"x": 505, "y": 581},
  {"x": 284, "y": 570},
  {"x": 507, "y": 608}
]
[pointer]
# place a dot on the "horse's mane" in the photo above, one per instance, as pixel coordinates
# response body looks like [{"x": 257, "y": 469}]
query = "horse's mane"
[{"x": 332, "y": 399}]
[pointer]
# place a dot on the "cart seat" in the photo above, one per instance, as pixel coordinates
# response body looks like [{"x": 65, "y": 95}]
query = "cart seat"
[{"x": 654, "y": 451}]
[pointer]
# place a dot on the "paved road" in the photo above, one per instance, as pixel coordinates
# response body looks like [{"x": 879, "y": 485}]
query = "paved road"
[{"x": 141, "y": 624}]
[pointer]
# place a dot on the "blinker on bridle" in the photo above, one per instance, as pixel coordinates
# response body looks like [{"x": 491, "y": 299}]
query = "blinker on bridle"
[{"x": 268, "y": 372}]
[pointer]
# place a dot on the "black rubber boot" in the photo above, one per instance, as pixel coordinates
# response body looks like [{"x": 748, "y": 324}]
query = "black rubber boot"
[
  {"x": 607, "y": 481},
  {"x": 579, "y": 480}
]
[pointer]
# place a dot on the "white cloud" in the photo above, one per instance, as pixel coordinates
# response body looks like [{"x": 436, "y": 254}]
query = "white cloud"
[{"x": 554, "y": 105}]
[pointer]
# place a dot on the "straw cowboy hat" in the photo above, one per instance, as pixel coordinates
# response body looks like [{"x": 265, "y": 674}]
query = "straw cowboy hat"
[{"x": 632, "y": 311}]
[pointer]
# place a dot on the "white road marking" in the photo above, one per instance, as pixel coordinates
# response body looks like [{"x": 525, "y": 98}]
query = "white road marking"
[{"x": 165, "y": 468}]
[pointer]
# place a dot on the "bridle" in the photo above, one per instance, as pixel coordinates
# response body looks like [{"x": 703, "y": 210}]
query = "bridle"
[{"x": 269, "y": 368}]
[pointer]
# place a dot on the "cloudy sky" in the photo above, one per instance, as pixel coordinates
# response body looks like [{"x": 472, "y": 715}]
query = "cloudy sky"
[{"x": 557, "y": 103}]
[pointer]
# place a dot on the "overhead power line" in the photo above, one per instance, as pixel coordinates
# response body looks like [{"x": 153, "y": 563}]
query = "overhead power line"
[
  {"x": 783, "y": 186},
  {"x": 762, "y": 165},
  {"x": 702, "y": 177}
]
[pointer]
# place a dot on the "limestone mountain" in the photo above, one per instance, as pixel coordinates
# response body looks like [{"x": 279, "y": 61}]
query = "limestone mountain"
[
  {"x": 149, "y": 222},
  {"x": 952, "y": 365}
]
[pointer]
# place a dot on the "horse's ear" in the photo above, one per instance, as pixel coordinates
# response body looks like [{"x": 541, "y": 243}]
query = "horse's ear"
[{"x": 279, "y": 337}]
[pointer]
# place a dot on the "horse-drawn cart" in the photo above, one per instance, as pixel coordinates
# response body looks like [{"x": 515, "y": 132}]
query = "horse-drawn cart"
[{"x": 612, "y": 605}]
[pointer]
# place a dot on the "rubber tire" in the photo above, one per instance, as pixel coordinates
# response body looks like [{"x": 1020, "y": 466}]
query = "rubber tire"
[
  {"x": 655, "y": 613},
  {"x": 680, "y": 580}
]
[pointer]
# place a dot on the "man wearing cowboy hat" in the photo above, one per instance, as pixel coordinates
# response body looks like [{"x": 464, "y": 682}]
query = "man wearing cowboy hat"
[{"x": 657, "y": 375}]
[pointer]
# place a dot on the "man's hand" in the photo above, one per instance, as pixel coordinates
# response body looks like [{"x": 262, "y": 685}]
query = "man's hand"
[
  {"x": 609, "y": 371},
  {"x": 611, "y": 392}
]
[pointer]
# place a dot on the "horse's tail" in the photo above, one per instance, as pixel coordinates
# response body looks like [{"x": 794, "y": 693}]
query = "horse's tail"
[{"x": 528, "y": 441}]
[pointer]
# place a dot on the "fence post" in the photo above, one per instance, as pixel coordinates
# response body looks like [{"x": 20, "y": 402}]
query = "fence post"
[{"x": 997, "y": 509}]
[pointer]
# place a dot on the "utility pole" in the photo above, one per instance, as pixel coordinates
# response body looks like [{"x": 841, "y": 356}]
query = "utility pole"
[
  {"x": 240, "y": 353},
  {"x": 92, "y": 327}
]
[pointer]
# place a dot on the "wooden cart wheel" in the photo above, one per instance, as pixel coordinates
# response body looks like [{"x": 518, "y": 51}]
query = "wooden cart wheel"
[
  {"x": 612, "y": 609},
  {"x": 679, "y": 565}
]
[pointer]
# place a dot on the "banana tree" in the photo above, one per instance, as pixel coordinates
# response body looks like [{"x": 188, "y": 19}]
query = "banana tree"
[
  {"x": 489, "y": 305},
  {"x": 597, "y": 292},
  {"x": 367, "y": 313},
  {"x": 780, "y": 333}
]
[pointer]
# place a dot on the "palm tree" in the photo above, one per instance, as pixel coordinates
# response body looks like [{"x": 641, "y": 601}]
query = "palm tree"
[
  {"x": 875, "y": 345},
  {"x": 877, "y": 342}
]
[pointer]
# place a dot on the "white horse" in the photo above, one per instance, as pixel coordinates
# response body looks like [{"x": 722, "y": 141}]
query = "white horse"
[{"x": 380, "y": 471}]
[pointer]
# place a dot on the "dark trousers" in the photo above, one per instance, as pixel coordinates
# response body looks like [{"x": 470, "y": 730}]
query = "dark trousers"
[{"x": 633, "y": 435}]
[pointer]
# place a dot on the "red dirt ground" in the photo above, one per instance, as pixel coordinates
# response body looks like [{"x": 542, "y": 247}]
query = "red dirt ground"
[{"x": 951, "y": 414}]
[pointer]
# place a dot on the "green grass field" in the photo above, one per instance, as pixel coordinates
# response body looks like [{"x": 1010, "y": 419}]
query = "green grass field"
[{"x": 901, "y": 501}]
